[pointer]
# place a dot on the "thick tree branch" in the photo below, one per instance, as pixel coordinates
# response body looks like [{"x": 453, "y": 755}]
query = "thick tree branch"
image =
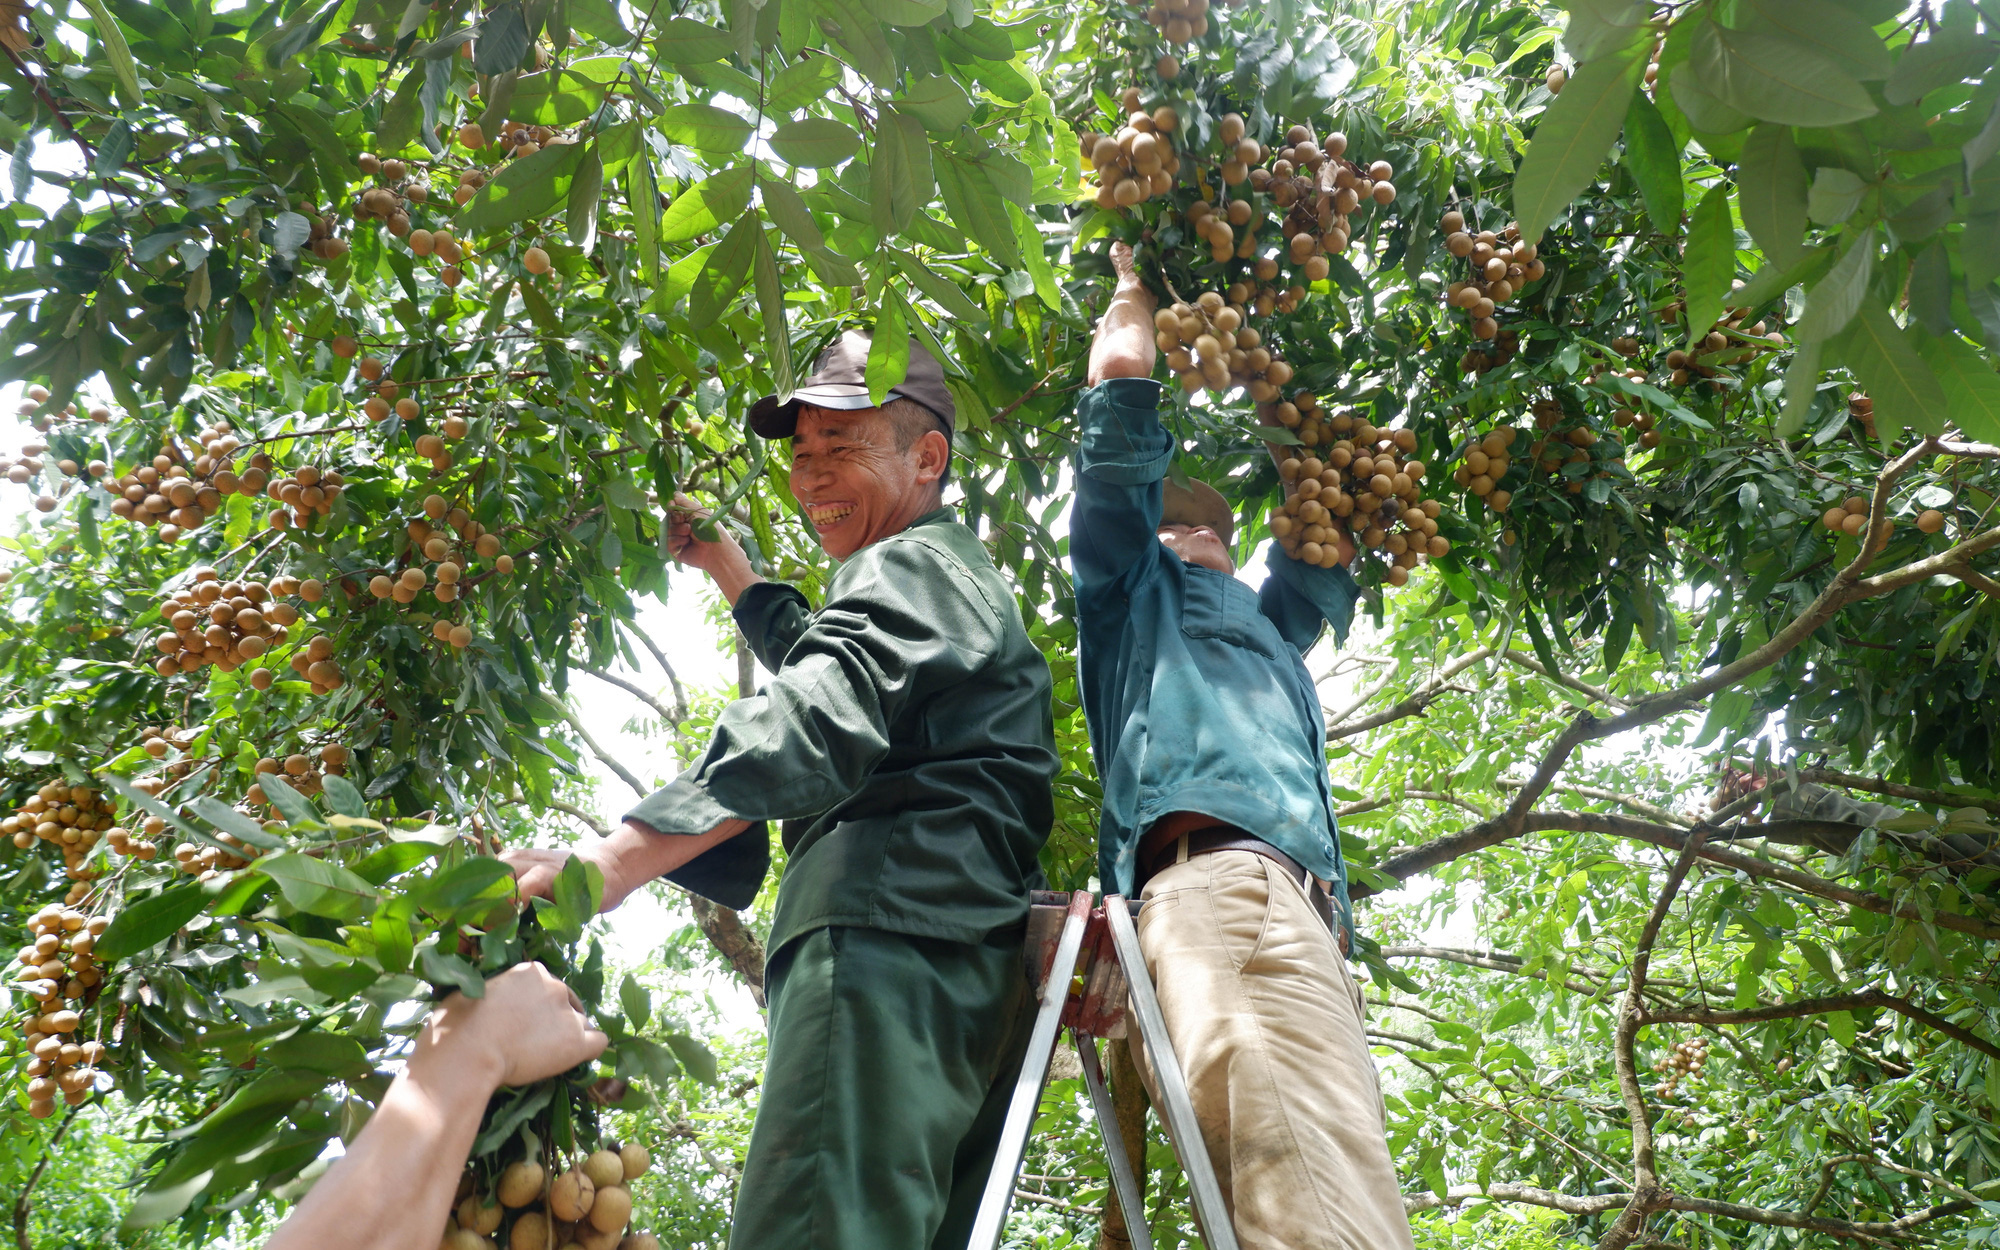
[
  {"x": 1598, "y": 1204},
  {"x": 673, "y": 678},
  {"x": 1897, "y": 790},
  {"x": 1859, "y": 1000},
  {"x": 597, "y": 827},
  {"x": 726, "y": 931},
  {"x": 1649, "y": 810}
]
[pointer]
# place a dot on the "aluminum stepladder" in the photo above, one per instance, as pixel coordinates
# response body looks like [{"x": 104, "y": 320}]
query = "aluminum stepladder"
[{"x": 1084, "y": 960}]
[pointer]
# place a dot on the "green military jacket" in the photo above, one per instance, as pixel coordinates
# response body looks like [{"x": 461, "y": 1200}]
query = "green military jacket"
[{"x": 906, "y": 738}]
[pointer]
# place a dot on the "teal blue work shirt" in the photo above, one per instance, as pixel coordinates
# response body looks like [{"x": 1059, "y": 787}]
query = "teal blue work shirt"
[{"x": 1194, "y": 685}]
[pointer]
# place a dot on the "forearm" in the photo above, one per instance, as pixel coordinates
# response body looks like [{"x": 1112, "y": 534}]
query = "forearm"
[
  {"x": 641, "y": 853},
  {"x": 733, "y": 574},
  {"x": 1124, "y": 346},
  {"x": 414, "y": 1148}
]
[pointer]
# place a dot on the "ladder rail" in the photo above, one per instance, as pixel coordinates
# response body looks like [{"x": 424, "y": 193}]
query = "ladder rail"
[
  {"x": 1182, "y": 1128},
  {"x": 1131, "y": 1203},
  {"x": 991, "y": 1221}
]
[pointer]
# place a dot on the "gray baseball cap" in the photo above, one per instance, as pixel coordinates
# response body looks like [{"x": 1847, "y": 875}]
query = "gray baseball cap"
[{"x": 839, "y": 381}]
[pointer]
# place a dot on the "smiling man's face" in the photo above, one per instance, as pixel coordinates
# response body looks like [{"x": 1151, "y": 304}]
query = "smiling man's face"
[{"x": 855, "y": 484}]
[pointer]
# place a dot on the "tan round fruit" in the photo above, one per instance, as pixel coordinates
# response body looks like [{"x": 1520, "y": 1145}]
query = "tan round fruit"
[
  {"x": 635, "y": 1159},
  {"x": 1930, "y": 521},
  {"x": 604, "y": 1168},
  {"x": 535, "y": 260},
  {"x": 571, "y": 1195},
  {"x": 612, "y": 1208},
  {"x": 462, "y": 1238},
  {"x": 531, "y": 1232},
  {"x": 521, "y": 1184}
]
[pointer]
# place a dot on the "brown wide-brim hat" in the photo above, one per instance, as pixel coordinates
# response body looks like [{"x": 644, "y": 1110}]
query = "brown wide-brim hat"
[
  {"x": 1197, "y": 503},
  {"x": 840, "y": 381}
]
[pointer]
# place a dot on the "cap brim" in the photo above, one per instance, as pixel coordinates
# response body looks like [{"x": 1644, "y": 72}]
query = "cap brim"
[{"x": 772, "y": 419}]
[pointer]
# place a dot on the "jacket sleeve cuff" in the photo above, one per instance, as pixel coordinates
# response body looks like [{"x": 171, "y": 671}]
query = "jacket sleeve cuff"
[
  {"x": 731, "y": 873},
  {"x": 771, "y": 616},
  {"x": 1122, "y": 441},
  {"x": 1332, "y": 591}
]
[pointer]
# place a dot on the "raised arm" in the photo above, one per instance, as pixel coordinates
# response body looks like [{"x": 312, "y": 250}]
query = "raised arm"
[{"x": 1122, "y": 451}]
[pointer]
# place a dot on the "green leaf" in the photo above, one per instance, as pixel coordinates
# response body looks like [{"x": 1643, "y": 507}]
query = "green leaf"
[
  {"x": 888, "y": 350},
  {"x": 1840, "y": 1026},
  {"x": 1905, "y": 391},
  {"x": 1834, "y": 31},
  {"x": 1600, "y": 27},
  {"x": 1034, "y": 257},
  {"x": 1971, "y": 387},
  {"x": 1773, "y": 195},
  {"x": 1510, "y": 1013},
  {"x": 328, "y": 1054},
  {"x": 146, "y": 922},
  {"x": 854, "y": 28},
  {"x": 1709, "y": 263},
  {"x": 727, "y": 268},
  {"x": 586, "y": 191},
  {"x": 688, "y": 42},
  {"x": 770, "y": 290},
  {"x": 317, "y": 887},
  {"x": 653, "y": 1061},
  {"x": 1951, "y": 53},
  {"x": 636, "y": 1001},
  {"x": 695, "y": 1057},
  {"x": 939, "y": 102},
  {"x": 1834, "y": 196},
  {"x": 905, "y": 12},
  {"x": 529, "y": 187},
  {"x": 1704, "y": 110},
  {"x": 705, "y": 127},
  {"x": 1930, "y": 288},
  {"x": 800, "y": 84},
  {"x": 1831, "y": 303},
  {"x": 1774, "y": 79},
  {"x": 503, "y": 41},
  {"x": 707, "y": 204},
  {"x": 815, "y": 142},
  {"x": 117, "y": 54},
  {"x": 644, "y": 196},
  {"x": 945, "y": 293},
  {"x": 1801, "y": 384},
  {"x": 900, "y": 178},
  {"x": 1654, "y": 158},
  {"x": 787, "y": 211},
  {"x": 231, "y": 821},
  {"x": 976, "y": 205},
  {"x": 1574, "y": 134},
  {"x": 443, "y": 968},
  {"x": 394, "y": 945},
  {"x": 293, "y": 806}
]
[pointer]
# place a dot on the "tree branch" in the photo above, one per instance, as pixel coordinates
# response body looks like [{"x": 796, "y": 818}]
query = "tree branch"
[
  {"x": 1598, "y": 1204},
  {"x": 659, "y": 709},
  {"x": 673, "y": 678},
  {"x": 1897, "y": 790},
  {"x": 591, "y": 821},
  {"x": 726, "y": 931},
  {"x": 624, "y": 773},
  {"x": 1529, "y": 662},
  {"x": 1859, "y": 1000},
  {"x": 1415, "y": 704}
]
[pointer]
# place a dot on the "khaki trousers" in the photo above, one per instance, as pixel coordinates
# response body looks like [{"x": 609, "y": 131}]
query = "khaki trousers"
[{"x": 1267, "y": 1024}]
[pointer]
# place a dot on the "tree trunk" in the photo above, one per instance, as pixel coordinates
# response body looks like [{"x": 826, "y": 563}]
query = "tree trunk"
[
  {"x": 727, "y": 933},
  {"x": 1129, "y": 1101}
]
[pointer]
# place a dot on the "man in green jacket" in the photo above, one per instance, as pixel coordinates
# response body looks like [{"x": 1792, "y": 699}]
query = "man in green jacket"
[{"x": 907, "y": 738}]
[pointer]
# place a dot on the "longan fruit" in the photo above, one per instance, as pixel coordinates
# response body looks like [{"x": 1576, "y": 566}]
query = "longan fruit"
[
  {"x": 571, "y": 1195},
  {"x": 1853, "y": 523},
  {"x": 460, "y": 637},
  {"x": 604, "y": 1168},
  {"x": 407, "y": 408},
  {"x": 612, "y": 1208},
  {"x": 1930, "y": 520},
  {"x": 535, "y": 260},
  {"x": 435, "y": 506},
  {"x": 1856, "y": 504},
  {"x": 1168, "y": 67},
  {"x": 531, "y": 1231},
  {"x": 521, "y": 1184},
  {"x": 380, "y": 586}
]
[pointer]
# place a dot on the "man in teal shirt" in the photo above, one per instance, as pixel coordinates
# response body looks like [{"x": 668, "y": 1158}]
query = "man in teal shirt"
[
  {"x": 1211, "y": 749},
  {"x": 907, "y": 739}
]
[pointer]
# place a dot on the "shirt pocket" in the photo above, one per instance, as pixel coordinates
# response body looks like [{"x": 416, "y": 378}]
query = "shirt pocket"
[{"x": 1219, "y": 607}]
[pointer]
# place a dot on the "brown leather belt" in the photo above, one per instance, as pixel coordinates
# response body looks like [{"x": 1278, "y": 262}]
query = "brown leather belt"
[{"x": 1230, "y": 838}]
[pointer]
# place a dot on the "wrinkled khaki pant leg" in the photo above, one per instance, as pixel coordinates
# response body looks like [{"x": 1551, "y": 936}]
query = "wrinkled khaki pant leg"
[{"x": 1267, "y": 1023}]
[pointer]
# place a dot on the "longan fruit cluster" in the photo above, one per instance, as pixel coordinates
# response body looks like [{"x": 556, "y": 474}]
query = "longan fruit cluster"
[
  {"x": 300, "y": 772},
  {"x": 1483, "y": 463},
  {"x": 1501, "y": 264},
  {"x": 1208, "y": 345},
  {"x": 398, "y": 189},
  {"x": 59, "y": 970},
  {"x": 1850, "y": 517},
  {"x": 72, "y": 819},
  {"x": 30, "y": 465},
  {"x": 175, "y": 495},
  {"x": 203, "y": 862},
  {"x": 1367, "y": 471},
  {"x": 1684, "y": 1061},
  {"x": 314, "y": 662},
  {"x": 33, "y": 410},
  {"x": 310, "y": 492},
  {"x": 587, "y": 1207},
  {"x": 322, "y": 241},
  {"x": 1179, "y": 21},
  {"x": 1641, "y": 423},
  {"x": 1564, "y": 442},
  {"x": 1320, "y": 191},
  {"x": 1137, "y": 163},
  {"x": 453, "y": 253},
  {"x": 1727, "y": 342},
  {"x": 227, "y": 624}
]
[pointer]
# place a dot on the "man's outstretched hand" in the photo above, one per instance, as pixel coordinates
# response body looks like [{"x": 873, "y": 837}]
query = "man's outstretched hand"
[
  {"x": 628, "y": 859},
  {"x": 529, "y": 1025},
  {"x": 722, "y": 559},
  {"x": 1124, "y": 346}
]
